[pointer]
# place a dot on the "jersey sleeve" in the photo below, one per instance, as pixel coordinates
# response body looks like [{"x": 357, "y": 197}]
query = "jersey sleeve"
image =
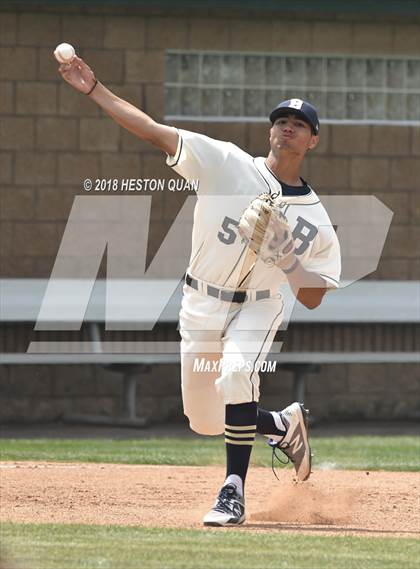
[
  {"x": 326, "y": 261},
  {"x": 199, "y": 157}
]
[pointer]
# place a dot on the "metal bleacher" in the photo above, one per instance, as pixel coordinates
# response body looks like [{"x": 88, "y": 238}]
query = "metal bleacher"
[{"x": 380, "y": 304}]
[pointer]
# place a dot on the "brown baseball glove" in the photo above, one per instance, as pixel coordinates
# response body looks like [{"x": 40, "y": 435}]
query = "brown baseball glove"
[{"x": 266, "y": 230}]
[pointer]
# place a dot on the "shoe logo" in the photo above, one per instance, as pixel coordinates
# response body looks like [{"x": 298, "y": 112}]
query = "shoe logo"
[
  {"x": 296, "y": 444},
  {"x": 236, "y": 509},
  {"x": 227, "y": 502}
]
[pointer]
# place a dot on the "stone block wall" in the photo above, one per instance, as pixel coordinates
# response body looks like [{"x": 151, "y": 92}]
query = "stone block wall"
[
  {"x": 336, "y": 392},
  {"x": 51, "y": 138},
  {"x": 44, "y": 393}
]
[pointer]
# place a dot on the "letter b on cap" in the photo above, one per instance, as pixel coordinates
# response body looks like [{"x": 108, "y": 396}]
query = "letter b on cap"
[{"x": 296, "y": 103}]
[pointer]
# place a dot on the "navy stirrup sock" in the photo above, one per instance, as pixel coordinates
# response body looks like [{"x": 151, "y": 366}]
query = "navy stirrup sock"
[
  {"x": 266, "y": 425},
  {"x": 240, "y": 432}
]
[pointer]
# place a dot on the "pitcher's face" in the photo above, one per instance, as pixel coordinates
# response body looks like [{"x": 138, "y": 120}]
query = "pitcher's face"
[{"x": 293, "y": 134}]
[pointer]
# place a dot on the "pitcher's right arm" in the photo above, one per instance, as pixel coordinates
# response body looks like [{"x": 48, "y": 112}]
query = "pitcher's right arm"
[{"x": 81, "y": 77}]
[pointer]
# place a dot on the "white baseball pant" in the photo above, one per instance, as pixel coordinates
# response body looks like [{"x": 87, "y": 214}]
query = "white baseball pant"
[{"x": 223, "y": 345}]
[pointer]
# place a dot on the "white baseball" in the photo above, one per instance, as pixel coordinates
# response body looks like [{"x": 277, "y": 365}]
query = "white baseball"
[{"x": 64, "y": 52}]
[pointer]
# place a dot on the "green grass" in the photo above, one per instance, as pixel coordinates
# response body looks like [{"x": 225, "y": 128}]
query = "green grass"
[
  {"x": 113, "y": 547},
  {"x": 397, "y": 453}
]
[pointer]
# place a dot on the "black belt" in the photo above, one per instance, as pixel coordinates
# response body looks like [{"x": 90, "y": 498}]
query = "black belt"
[{"x": 224, "y": 294}]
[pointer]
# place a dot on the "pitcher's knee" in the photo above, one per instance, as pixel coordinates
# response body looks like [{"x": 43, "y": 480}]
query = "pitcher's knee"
[
  {"x": 206, "y": 426},
  {"x": 238, "y": 387}
]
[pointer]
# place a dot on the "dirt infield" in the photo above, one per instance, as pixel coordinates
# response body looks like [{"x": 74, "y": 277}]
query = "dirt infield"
[{"x": 332, "y": 501}]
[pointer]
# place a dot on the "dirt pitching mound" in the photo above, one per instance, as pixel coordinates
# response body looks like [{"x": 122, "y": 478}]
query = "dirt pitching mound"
[
  {"x": 332, "y": 501},
  {"x": 310, "y": 504}
]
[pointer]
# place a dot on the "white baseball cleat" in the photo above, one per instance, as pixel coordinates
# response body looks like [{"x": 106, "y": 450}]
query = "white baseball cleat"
[
  {"x": 295, "y": 443},
  {"x": 229, "y": 508}
]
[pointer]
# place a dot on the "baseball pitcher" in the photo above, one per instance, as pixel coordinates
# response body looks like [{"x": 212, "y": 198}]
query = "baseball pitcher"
[{"x": 257, "y": 226}]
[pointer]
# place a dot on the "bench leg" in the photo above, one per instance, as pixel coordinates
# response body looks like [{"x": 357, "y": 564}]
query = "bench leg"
[
  {"x": 130, "y": 390},
  {"x": 299, "y": 386}
]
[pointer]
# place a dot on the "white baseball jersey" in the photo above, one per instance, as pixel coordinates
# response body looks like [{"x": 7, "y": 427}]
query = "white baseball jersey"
[{"x": 229, "y": 179}]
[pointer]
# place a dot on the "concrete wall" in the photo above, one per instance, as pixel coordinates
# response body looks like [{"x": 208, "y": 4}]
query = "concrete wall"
[{"x": 51, "y": 138}]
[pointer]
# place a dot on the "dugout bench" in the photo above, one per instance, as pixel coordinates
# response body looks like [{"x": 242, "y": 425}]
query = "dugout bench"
[{"x": 374, "y": 303}]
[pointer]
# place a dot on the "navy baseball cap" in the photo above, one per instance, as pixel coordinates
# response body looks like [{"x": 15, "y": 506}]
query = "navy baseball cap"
[{"x": 298, "y": 107}]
